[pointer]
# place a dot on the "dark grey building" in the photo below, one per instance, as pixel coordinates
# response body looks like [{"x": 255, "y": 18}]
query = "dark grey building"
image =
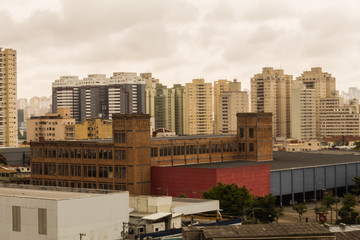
[{"x": 98, "y": 96}]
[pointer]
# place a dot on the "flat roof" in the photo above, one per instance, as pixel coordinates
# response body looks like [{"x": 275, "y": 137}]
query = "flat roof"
[
  {"x": 43, "y": 194},
  {"x": 289, "y": 160},
  {"x": 185, "y": 137},
  {"x": 262, "y": 230},
  {"x": 49, "y": 193}
]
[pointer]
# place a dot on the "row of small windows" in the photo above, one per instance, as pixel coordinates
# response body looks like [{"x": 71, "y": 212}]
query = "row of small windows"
[
  {"x": 251, "y": 132},
  {"x": 200, "y": 149},
  {"x": 74, "y": 170},
  {"x": 79, "y": 153},
  {"x": 119, "y": 137},
  {"x": 78, "y": 184}
]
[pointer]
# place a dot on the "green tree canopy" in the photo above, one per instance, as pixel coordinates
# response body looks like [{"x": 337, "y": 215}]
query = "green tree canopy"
[
  {"x": 356, "y": 188},
  {"x": 347, "y": 212},
  {"x": 233, "y": 199},
  {"x": 300, "y": 208},
  {"x": 264, "y": 209},
  {"x": 3, "y": 160}
]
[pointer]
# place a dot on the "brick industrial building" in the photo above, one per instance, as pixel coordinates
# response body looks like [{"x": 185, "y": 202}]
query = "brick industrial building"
[{"x": 126, "y": 161}]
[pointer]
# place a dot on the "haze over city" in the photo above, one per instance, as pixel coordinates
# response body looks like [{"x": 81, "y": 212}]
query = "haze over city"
[{"x": 179, "y": 40}]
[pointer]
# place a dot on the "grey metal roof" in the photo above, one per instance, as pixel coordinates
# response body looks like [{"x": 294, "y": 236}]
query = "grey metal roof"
[
  {"x": 288, "y": 160},
  {"x": 348, "y": 235},
  {"x": 262, "y": 231}
]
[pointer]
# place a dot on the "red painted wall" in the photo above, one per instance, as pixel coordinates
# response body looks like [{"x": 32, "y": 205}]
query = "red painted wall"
[
  {"x": 255, "y": 178},
  {"x": 174, "y": 181}
]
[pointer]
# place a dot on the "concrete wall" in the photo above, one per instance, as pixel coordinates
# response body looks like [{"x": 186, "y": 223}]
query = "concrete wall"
[
  {"x": 99, "y": 217},
  {"x": 29, "y": 218}
]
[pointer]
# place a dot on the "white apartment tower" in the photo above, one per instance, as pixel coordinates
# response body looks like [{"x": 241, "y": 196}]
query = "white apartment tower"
[
  {"x": 199, "y": 107},
  {"x": 8, "y": 98},
  {"x": 231, "y": 102},
  {"x": 303, "y": 112},
  {"x": 339, "y": 119},
  {"x": 323, "y": 85},
  {"x": 271, "y": 92}
]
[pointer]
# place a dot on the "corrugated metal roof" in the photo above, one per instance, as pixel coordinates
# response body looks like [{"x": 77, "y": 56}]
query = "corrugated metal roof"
[{"x": 348, "y": 235}]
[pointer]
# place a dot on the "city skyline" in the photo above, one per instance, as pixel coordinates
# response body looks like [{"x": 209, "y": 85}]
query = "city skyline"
[{"x": 180, "y": 40}]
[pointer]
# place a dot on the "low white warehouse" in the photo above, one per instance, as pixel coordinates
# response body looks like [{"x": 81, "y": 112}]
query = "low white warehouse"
[{"x": 43, "y": 214}]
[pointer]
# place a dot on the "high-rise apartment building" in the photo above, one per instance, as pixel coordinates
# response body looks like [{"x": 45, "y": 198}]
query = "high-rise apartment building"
[
  {"x": 303, "y": 112},
  {"x": 50, "y": 127},
  {"x": 219, "y": 87},
  {"x": 8, "y": 111},
  {"x": 339, "y": 119},
  {"x": 179, "y": 103},
  {"x": 271, "y": 92},
  {"x": 231, "y": 102},
  {"x": 99, "y": 96},
  {"x": 324, "y": 87},
  {"x": 199, "y": 107},
  {"x": 164, "y": 108}
]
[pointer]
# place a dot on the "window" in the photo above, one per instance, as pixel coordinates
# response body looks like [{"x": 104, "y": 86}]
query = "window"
[
  {"x": 42, "y": 221},
  {"x": 241, "y": 132},
  {"x": 16, "y": 218},
  {"x": 251, "y": 132},
  {"x": 251, "y": 147}
]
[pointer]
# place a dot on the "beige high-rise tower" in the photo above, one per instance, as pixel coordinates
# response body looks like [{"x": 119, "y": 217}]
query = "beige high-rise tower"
[
  {"x": 198, "y": 107},
  {"x": 323, "y": 85},
  {"x": 303, "y": 112},
  {"x": 229, "y": 101},
  {"x": 219, "y": 87},
  {"x": 271, "y": 92},
  {"x": 8, "y": 112}
]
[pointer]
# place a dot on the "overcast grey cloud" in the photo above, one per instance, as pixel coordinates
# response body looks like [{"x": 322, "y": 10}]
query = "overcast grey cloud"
[{"x": 179, "y": 40}]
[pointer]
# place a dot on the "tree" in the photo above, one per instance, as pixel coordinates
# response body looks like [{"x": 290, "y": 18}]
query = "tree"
[
  {"x": 3, "y": 160},
  {"x": 264, "y": 209},
  {"x": 347, "y": 212},
  {"x": 182, "y": 196},
  {"x": 233, "y": 199},
  {"x": 356, "y": 188},
  {"x": 300, "y": 208},
  {"x": 327, "y": 202}
]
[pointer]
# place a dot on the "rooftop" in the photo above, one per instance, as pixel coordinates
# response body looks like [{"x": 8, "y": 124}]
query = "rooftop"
[
  {"x": 48, "y": 193},
  {"x": 290, "y": 160},
  {"x": 262, "y": 231},
  {"x": 192, "y": 137}
]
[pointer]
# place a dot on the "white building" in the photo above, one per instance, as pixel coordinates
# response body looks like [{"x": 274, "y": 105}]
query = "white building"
[
  {"x": 153, "y": 214},
  {"x": 43, "y": 214}
]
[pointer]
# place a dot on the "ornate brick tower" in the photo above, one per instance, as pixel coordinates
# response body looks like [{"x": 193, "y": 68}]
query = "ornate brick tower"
[
  {"x": 132, "y": 135},
  {"x": 255, "y": 135}
]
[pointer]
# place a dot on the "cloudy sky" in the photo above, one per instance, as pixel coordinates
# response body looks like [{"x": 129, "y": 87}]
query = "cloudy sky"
[{"x": 179, "y": 40}]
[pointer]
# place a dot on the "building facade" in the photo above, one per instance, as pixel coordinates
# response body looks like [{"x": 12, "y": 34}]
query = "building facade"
[
  {"x": 271, "y": 92},
  {"x": 61, "y": 214},
  {"x": 8, "y": 98},
  {"x": 89, "y": 129},
  {"x": 219, "y": 87},
  {"x": 303, "y": 112},
  {"x": 199, "y": 108},
  {"x": 125, "y": 162},
  {"x": 50, "y": 127},
  {"x": 99, "y": 96},
  {"x": 231, "y": 102},
  {"x": 323, "y": 85},
  {"x": 339, "y": 119}
]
